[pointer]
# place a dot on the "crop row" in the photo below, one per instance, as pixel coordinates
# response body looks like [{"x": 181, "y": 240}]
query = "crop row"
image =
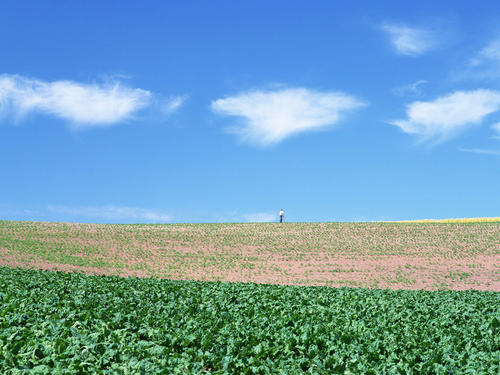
[
  {"x": 52, "y": 322},
  {"x": 427, "y": 256},
  {"x": 450, "y": 239}
]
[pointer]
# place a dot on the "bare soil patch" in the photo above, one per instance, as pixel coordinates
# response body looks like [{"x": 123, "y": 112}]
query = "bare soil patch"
[{"x": 428, "y": 256}]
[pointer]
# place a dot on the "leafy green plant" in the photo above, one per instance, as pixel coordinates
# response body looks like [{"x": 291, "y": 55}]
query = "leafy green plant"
[{"x": 53, "y": 322}]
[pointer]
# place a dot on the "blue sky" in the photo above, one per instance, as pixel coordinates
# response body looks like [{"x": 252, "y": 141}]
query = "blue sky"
[{"x": 220, "y": 111}]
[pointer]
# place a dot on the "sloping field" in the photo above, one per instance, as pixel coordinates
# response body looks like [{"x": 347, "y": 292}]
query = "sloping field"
[{"x": 428, "y": 256}]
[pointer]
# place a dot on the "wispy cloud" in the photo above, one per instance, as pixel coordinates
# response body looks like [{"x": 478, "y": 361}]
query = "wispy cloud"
[
  {"x": 121, "y": 214},
  {"x": 489, "y": 54},
  {"x": 448, "y": 115},
  {"x": 172, "y": 104},
  {"x": 412, "y": 89},
  {"x": 271, "y": 116},
  {"x": 482, "y": 151},
  {"x": 484, "y": 64},
  {"x": 81, "y": 104},
  {"x": 234, "y": 216},
  {"x": 411, "y": 41},
  {"x": 260, "y": 217},
  {"x": 496, "y": 129}
]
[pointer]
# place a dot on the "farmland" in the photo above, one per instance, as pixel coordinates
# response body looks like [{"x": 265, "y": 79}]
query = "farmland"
[
  {"x": 54, "y": 322},
  {"x": 428, "y": 256},
  {"x": 250, "y": 298}
]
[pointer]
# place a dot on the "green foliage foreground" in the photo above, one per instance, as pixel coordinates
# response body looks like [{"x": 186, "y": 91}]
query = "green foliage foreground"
[{"x": 53, "y": 322}]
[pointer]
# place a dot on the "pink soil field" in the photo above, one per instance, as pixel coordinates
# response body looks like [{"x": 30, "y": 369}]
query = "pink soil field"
[{"x": 428, "y": 256}]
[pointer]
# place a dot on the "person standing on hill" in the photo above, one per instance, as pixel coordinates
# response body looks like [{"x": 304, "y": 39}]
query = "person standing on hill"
[{"x": 281, "y": 215}]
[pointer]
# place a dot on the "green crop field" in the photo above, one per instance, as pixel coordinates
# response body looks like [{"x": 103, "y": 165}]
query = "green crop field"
[{"x": 54, "y": 322}]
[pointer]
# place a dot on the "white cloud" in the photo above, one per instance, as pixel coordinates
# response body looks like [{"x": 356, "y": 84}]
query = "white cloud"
[
  {"x": 172, "y": 104},
  {"x": 260, "y": 217},
  {"x": 447, "y": 115},
  {"x": 489, "y": 54},
  {"x": 80, "y": 104},
  {"x": 496, "y": 129},
  {"x": 271, "y": 116},
  {"x": 485, "y": 64},
  {"x": 114, "y": 213},
  {"x": 411, "y": 41},
  {"x": 412, "y": 89},
  {"x": 482, "y": 151}
]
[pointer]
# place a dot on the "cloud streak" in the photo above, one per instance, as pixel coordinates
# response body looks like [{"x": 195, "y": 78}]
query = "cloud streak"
[
  {"x": 496, "y": 129},
  {"x": 260, "y": 217},
  {"x": 489, "y": 54},
  {"x": 113, "y": 213},
  {"x": 482, "y": 151},
  {"x": 411, "y": 41},
  {"x": 271, "y": 116},
  {"x": 172, "y": 104},
  {"x": 412, "y": 89},
  {"x": 448, "y": 115},
  {"x": 484, "y": 65},
  {"x": 82, "y": 105}
]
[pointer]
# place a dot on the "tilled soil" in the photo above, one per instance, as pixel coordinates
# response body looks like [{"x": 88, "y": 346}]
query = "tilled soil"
[{"x": 427, "y": 256}]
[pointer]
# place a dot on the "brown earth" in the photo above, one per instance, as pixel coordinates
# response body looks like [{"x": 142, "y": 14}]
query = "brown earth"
[{"x": 374, "y": 255}]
